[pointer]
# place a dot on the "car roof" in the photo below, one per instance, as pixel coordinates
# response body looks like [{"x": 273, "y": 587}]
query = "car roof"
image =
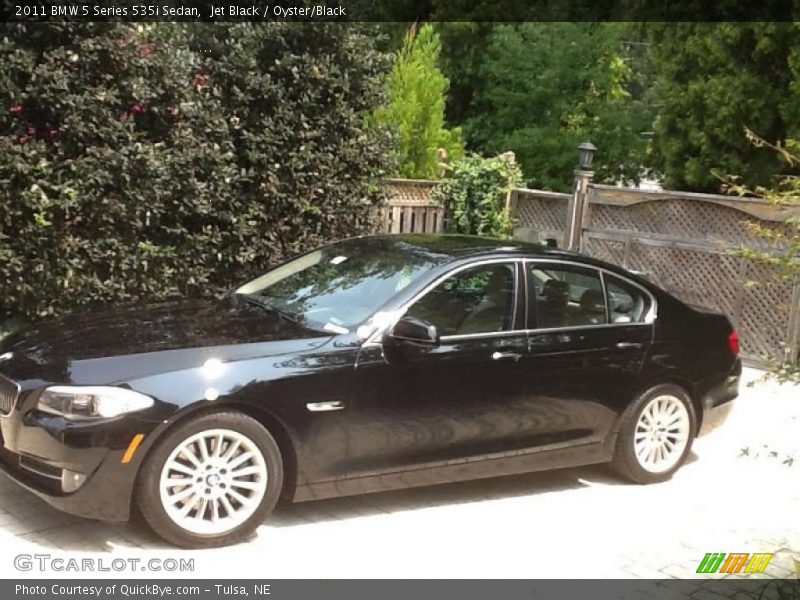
[
  {"x": 445, "y": 248},
  {"x": 457, "y": 246}
]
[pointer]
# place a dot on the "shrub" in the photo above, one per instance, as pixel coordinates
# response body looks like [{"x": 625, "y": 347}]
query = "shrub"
[
  {"x": 147, "y": 162},
  {"x": 474, "y": 195}
]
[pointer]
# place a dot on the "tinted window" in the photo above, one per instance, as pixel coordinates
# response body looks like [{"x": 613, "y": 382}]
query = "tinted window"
[
  {"x": 566, "y": 296},
  {"x": 477, "y": 300},
  {"x": 626, "y": 302}
]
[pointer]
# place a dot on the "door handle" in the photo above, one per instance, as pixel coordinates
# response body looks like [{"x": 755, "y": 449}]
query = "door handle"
[
  {"x": 325, "y": 406},
  {"x": 506, "y": 355},
  {"x": 623, "y": 345}
]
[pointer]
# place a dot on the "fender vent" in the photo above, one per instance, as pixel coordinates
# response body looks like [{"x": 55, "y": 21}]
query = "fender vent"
[{"x": 9, "y": 392}]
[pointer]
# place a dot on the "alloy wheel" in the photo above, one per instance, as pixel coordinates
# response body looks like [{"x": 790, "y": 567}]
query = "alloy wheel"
[
  {"x": 661, "y": 433},
  {"x": 213, "y": 481}
]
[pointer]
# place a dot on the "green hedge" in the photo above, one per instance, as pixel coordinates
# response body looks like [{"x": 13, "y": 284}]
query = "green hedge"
[
  {"x": 144, "y": 162},
  {"x": 474, "y": 194}
]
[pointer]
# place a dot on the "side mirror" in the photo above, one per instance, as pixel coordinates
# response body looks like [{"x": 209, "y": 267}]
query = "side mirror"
[{"x": 415, "y": 331}]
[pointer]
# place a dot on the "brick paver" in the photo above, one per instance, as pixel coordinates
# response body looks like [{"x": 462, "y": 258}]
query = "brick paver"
[{"x": 572, "y": 523}]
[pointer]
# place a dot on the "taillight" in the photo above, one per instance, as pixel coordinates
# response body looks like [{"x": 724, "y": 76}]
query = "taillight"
[{"x": 733, "y": 343}]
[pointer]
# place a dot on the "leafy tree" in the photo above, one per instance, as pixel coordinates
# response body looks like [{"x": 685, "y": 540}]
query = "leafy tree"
[
  {"x": 549, "y": 86},
  {"x": 142, "y": 162},
  {"x": 415, "y": 110},
  {"x": 710, "y": 79}
]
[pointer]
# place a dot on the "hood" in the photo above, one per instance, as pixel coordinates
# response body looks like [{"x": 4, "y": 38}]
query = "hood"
[{"x": 163, "y": 337}]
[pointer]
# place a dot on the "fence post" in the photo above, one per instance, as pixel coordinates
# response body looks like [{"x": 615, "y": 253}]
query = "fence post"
[
  {"x": 576, "y": 208},
  {"x": 509, "y": 204},
  {"x": 793, "y": 334}
]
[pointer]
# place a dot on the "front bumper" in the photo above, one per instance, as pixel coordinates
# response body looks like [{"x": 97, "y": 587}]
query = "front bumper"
[
  {"x": 105, "y": 495},
  {"x": 40, "y": 451}
]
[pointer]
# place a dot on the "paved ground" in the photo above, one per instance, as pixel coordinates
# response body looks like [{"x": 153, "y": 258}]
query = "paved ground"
[{"x": 737, "y": 494}]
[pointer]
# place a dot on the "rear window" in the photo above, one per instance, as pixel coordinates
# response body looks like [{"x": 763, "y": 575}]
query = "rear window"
[{"x": 626, "y": 302}]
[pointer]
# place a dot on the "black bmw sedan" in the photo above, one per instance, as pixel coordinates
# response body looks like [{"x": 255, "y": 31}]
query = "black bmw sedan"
[{"x": 369, "y": 364}]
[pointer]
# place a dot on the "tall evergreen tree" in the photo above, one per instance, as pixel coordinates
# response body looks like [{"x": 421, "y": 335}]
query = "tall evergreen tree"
[{"x": 415, "y": 110}]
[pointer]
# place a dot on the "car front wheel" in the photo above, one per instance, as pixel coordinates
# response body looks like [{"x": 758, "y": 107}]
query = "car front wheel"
[
  {"x": 211, "y": 481},
  {"x": 655, "y": 436}
]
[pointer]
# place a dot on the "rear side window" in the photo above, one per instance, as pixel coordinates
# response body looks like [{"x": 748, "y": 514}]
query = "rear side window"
[
  {"x": 566, "y": 296},
  {"x": 626, "y": 302}
]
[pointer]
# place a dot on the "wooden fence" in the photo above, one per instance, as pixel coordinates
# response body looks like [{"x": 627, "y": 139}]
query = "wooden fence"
[
  {"x": 410, "y": 209},
  {"x": 684, "y": 242}
]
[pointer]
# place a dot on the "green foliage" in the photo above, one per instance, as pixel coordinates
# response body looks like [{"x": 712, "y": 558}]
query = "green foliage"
[
  {"x": 142, "y": 162},
  {"x": 541, "y": 88},
  {"x": 474, "y": 194},
  {"x": 711, "y": 79},
  {"x": 415, "y": 110},
  {"x": 546, "y": 87}
]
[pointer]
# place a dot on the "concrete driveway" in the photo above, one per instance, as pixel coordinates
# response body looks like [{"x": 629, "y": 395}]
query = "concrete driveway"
[{"x": 740, "y": 492}]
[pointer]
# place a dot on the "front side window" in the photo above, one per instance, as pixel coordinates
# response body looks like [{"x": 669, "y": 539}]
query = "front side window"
[
  {"x": 476, "y": 300},
  {"x": 566, "y": 296}
]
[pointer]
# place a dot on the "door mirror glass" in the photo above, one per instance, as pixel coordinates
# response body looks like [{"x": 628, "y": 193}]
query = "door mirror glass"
[{"x": 416, "y": 331}]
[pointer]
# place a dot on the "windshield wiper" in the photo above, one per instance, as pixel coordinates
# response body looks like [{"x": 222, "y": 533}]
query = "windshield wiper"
[{"x": 257, "y": 300}]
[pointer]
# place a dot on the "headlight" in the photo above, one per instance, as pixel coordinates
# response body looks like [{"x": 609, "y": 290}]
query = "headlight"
[{"x": 79, "y": 403}]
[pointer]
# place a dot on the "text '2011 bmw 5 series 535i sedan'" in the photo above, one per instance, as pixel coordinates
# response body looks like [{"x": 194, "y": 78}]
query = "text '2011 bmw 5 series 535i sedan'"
[{"x": 368, "y": 364}]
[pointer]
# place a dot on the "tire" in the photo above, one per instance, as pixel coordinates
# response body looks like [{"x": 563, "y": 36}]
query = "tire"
[
  {"x": 221, "y": 495},
  {"x": 663, "y": 422}
]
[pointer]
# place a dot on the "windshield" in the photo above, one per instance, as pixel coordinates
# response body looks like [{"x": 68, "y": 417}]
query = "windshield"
[{"x": 339, "y": 286}]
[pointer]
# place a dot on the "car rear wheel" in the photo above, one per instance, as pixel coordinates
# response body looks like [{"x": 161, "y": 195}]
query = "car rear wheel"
[
  {"x": 211, "y": 481},
  {"x": 655, "y": 436}
]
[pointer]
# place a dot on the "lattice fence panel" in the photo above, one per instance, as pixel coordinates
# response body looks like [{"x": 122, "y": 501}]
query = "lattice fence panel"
[
  {"x": 409, "y": 191},
  {"x": 706, "y": 279},
  {"x": 608, "y": 250},
  {"x": 541, "y": 212},
  {"x": 765, "y": 312},
  {"x": 694, "y": 220}
]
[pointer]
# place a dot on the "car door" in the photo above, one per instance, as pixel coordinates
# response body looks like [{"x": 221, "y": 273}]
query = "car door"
[
  {"x": 425, "y": 405},
  {"x": 584, "y": 355}
]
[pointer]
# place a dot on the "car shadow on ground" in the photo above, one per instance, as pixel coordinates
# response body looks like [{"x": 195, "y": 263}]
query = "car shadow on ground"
[
  {"x": 287, "y": 514},
  {"x": 333, "y": 509},
  {"x": 34, "y": 521}
]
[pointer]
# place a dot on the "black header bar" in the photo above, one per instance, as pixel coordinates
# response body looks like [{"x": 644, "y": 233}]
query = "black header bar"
[{"x": 398, "y": 10}]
